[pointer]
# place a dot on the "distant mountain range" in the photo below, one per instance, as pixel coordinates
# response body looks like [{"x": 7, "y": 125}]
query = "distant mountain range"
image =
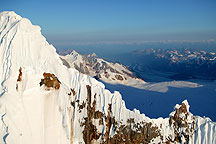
[
  {"x": 169, "y": 64},
  {"x": 93, "y": 66},
  {"x": 184, "y": 63}
]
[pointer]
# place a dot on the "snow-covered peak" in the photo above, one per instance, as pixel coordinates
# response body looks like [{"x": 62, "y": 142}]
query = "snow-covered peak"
[
  {"x": 185, "y": 102},
  {"x": 72, "y": 57},
  {"x": 106, "y": 71},
  {"x": 23, "y": 45},
  {"x": 9, "y": 14},
  {"x": 74, "y": 53},
  {"x": 93, "y": 55}
]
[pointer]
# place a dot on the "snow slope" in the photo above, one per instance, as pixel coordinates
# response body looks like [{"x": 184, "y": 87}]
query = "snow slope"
[
  {"x": 42, "y": 101},
  {"x": 91, "y": 65},
  {"x": 158, "y": 99}
]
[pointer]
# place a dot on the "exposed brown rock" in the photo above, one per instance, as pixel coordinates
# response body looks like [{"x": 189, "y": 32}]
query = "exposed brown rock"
[
  {"x": 143, "y": 133},
  {"x": 73, "y": 103},
  {"x": 90, "y": 131},
  {"x": 99, "y": 76},
  {"x": 183, "y": 109},
  {"x": 108, "y": 121},
  {"x": 73, "y": 91},
  {"x": 19, "y": 79},
  {"x": 182, "y": 128},
  {"x": 106, "y": 74},
  {"x": 98, "y": 115},
  {"x": 71, "y": 133},
  {"x": 81, "y": 106},
  {"x": 20, "y": 75},
  {"x": 50, "y": 81},
  {"x": 113, "y": 70},
  {"x": 130, "y": 133}
]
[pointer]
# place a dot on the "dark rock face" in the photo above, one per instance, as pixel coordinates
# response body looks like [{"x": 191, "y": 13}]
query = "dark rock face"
[
  {"x": 20, "y": 75},
  {"x": 135, "y": 133},
  {"x": 119, "y": 77},
  {"x": 83, "y": 69},
  {"x": 129, "y": 74},
  {"x": 90, "y": 132},
  {"x": 65, "y": 62}
]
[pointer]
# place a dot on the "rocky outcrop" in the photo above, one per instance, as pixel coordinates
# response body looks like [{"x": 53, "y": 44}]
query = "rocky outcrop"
[
  {"x": 20, "y": 75},
  {"x": 183, "y": 124},
  {"x": 119, "y": 77},
  {"x": 90, "y": 132},
  {"x": 135, "y": 133},
  {"x": 19, "y": 79},
  {"x": 131, "y": 132},
  {"x": 50, "y": 81}
]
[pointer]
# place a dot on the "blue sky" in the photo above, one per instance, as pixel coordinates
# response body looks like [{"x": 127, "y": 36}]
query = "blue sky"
[{"x": 84, "y": 21}]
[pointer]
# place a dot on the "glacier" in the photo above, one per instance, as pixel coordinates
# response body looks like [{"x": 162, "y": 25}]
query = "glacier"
[{"x": 81, "y": 110}]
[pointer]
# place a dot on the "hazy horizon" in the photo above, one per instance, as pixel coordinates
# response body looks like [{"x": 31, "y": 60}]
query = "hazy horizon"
[{"x": 67, "y": 23}]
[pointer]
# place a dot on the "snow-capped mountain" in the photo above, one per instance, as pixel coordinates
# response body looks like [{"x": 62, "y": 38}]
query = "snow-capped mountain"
[
  {"x": 100, "y": 69},
  {"x": 184, "y": 55},
  {"x": 44, "y": 102},
  {"x": 185, "y": 63}
]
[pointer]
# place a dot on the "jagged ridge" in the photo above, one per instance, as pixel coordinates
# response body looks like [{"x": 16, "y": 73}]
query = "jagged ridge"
[{"x": 100, "y": 69}]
